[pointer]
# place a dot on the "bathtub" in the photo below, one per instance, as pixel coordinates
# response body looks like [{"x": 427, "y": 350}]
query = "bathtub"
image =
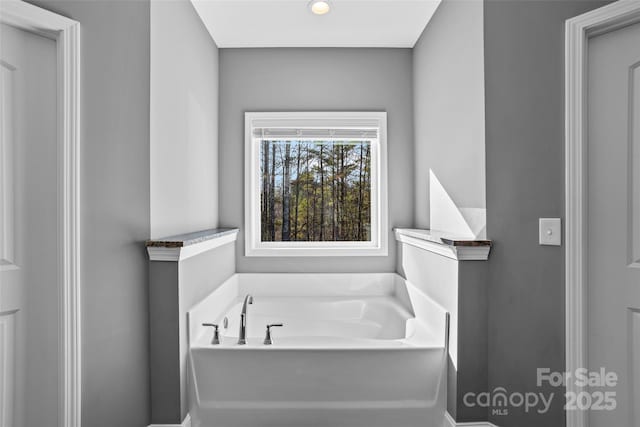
[{"x": 354, "y": 350}]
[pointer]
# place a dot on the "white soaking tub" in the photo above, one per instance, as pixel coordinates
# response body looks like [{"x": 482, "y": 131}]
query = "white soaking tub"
[{"x": 355, "y": 350}]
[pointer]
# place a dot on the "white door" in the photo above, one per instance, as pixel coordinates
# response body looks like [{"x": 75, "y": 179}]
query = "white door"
[
  {"x": 29, "y": 276},
  {"x": 613, "y": 217}
]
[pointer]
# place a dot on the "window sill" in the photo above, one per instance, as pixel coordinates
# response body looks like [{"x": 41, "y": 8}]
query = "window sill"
[{"x": 315, "y": 249}]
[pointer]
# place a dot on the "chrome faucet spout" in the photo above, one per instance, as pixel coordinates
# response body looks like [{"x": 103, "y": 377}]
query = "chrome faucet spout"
[{"x": 242, "y": 335}]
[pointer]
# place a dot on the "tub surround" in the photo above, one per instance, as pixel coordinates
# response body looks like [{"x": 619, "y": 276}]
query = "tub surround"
[
  {"x": 449, "y": 270},
  {"x": 185, "y": 269},
  {"x": 363, "y": 350}
]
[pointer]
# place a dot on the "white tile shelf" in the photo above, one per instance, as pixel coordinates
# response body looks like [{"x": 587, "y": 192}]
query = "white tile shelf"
[
  {"x": 183, "y": 246},
  {"x": 445, "y": 244}
]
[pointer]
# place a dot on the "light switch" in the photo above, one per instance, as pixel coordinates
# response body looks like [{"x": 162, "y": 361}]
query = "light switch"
[{"x": 550, "y": 231}]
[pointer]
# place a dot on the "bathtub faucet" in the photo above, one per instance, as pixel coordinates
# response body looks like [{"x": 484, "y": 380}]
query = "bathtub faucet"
[{"x": 242, "y": 336}]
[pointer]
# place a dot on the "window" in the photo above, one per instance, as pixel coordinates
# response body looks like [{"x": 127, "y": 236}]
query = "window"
[{"x": 315, "y": 184}]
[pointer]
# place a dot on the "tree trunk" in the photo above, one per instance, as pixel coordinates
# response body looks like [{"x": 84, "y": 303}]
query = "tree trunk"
[
  {"x": 272, "y": 195},
  {"x": 286, "y": 194},
  {"x": 340, "y": 202},
  {"x": 266, "y": 181},
  {"x": 321, "y": 193},
  {"x": 334, "y": 194},
  {"x": 360, "y": 201},
  {"x": 307, "y": 176},
  {"x": 367, "y": 184},
  {"x": 295, "y": 218}
]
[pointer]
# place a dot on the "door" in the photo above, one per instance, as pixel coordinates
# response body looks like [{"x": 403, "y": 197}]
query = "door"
[
  {"x": 29, "y": 276},
  {"x": 613, "y": 218}
]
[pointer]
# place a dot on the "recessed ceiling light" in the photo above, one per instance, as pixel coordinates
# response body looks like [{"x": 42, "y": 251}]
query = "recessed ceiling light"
[{"x": 319, "y": 7}]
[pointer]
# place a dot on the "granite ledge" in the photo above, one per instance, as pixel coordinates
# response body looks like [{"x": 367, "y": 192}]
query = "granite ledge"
[
  {"x": 442, "y": 237},
  {"x": 445, "y": 244},
  {"x": 189, "y": 239}
]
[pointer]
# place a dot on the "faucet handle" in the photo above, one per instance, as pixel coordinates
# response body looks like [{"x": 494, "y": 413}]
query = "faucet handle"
[
  {"x": 267, "y": 337},
  {"x": 216, "y": 336}
]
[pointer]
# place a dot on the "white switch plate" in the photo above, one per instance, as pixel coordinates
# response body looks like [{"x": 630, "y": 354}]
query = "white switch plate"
[{"x": 550, "y": 231}]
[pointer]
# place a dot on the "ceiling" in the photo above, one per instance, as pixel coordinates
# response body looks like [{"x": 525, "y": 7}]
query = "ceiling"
[{"x": 290, "y": 23}]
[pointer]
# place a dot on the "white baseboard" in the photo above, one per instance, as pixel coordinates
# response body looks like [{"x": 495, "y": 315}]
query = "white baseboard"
[
  {"x": 450, "y": 422},
  {"x": 185, "y": 423}
]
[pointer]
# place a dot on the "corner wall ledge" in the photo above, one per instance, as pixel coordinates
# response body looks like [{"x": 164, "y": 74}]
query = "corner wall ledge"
[
  {"x": 447, "y": 245},
  {"x": 182, "y": 246}
]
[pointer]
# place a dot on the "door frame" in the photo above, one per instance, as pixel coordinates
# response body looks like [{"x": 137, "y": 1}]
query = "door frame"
[
  {"x": 66, "y": 33},
  {"x": 578, "y": 31}
]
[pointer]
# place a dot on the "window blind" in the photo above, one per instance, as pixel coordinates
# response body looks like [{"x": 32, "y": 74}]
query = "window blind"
[{"x": 314, "y": 133}]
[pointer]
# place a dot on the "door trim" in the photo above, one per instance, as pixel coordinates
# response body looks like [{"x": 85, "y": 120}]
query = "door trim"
[
  {"x": 66, "y": 33},
  {"x": 578, "y": 31}
]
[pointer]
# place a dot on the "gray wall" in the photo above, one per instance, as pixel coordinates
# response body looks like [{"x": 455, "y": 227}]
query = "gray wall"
[
  {"x": 316, "y": 80},
  {"x": 448, "y": 83},
  {"x": 472, "y": 337},
  {"x": 524, "y": 69},
  {"x": 184, "y": 121},
  {"x": 115, "y": 208}
]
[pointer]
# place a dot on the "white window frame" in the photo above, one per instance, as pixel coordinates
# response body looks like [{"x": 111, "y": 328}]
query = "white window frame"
[{"x": 378, "y": 245}]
